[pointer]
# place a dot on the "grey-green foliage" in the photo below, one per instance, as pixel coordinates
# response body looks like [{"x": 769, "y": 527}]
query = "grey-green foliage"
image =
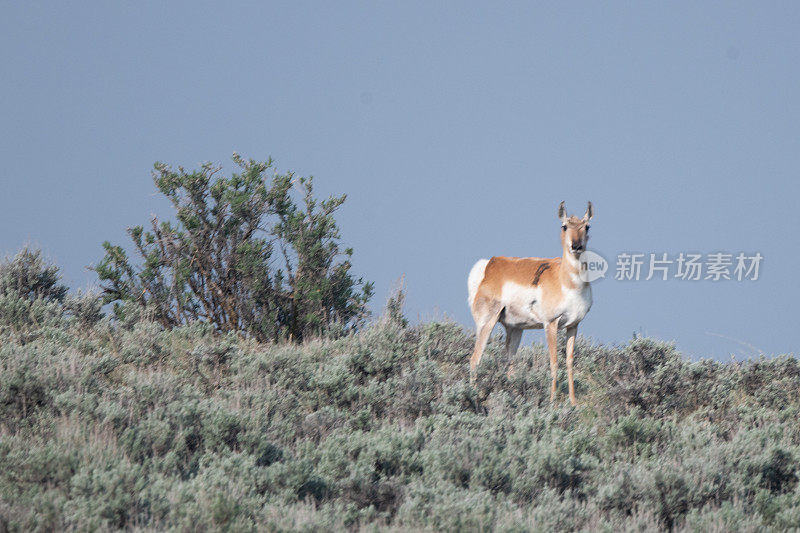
[
  {"x": 243, "y": 254},
  {"x": 131, "y": 425},
  {"x": 28, "y": 276},
  {"x": 32, "y": 296}
]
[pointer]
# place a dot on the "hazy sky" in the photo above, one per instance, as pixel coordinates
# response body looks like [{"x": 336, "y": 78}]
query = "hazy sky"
[{"x": 454, "y": 128}]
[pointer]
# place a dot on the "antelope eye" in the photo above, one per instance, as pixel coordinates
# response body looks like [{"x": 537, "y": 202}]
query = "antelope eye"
[
  {"x": 564, "y": 227},
  {"x": 587, "y": 227}
]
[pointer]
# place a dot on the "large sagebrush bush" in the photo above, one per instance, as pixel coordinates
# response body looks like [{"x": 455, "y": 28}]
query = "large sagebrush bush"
[{"x": 243, "y": 255}]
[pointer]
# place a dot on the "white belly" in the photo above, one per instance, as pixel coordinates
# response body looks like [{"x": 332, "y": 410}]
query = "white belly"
[{"x": 523, "y": 306}]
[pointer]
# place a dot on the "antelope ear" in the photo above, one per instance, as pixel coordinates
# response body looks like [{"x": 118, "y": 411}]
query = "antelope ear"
[
  {"x": 562, "y": 211},
  {"x": 589, "y": 213}
]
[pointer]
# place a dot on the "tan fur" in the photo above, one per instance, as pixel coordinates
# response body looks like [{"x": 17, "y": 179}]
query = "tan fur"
[
  {"x": 534, "y": 292},
  {"x": 523, "y": 271}
]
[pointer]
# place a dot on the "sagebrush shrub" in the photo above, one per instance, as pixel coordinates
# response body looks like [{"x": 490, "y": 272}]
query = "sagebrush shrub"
[
  {"x": 243, "y": 255},
  {"x": 130, "y": 425},
  {"x": 32, "y": 298},
  {"x": 28, "y": 276}
]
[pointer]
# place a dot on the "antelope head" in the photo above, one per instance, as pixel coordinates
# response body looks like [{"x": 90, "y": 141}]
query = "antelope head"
[{"x": 574, "y": 230}]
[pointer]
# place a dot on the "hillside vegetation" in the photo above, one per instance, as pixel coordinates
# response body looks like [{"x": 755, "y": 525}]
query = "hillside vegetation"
[
  {"x": 125, "y": 424},
  {"x": 237, "y": 385}
]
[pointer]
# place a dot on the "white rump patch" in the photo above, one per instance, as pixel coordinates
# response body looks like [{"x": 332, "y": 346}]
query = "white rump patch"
[{"x": 475, "y": 278}]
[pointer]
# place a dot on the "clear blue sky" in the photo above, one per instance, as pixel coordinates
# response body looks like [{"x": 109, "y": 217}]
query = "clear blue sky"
[{"x": 455, "y": 129}]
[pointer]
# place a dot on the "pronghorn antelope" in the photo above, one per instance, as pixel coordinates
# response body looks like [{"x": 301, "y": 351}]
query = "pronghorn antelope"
[{"x": 533, "y": 293}]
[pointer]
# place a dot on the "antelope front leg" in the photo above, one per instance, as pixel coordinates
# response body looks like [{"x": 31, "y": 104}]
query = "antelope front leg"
[
  {"x": 571, "y": 332},
  {"x": 551, "y": 332}
]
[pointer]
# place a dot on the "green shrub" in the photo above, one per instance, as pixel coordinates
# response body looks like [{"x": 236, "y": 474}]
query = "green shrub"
[
  {"x": 243, "y": 255},
  {"x": 29, "y": 277},
  {"x": 131, "y": 425},
  {"x": 33, "y": 301}
]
